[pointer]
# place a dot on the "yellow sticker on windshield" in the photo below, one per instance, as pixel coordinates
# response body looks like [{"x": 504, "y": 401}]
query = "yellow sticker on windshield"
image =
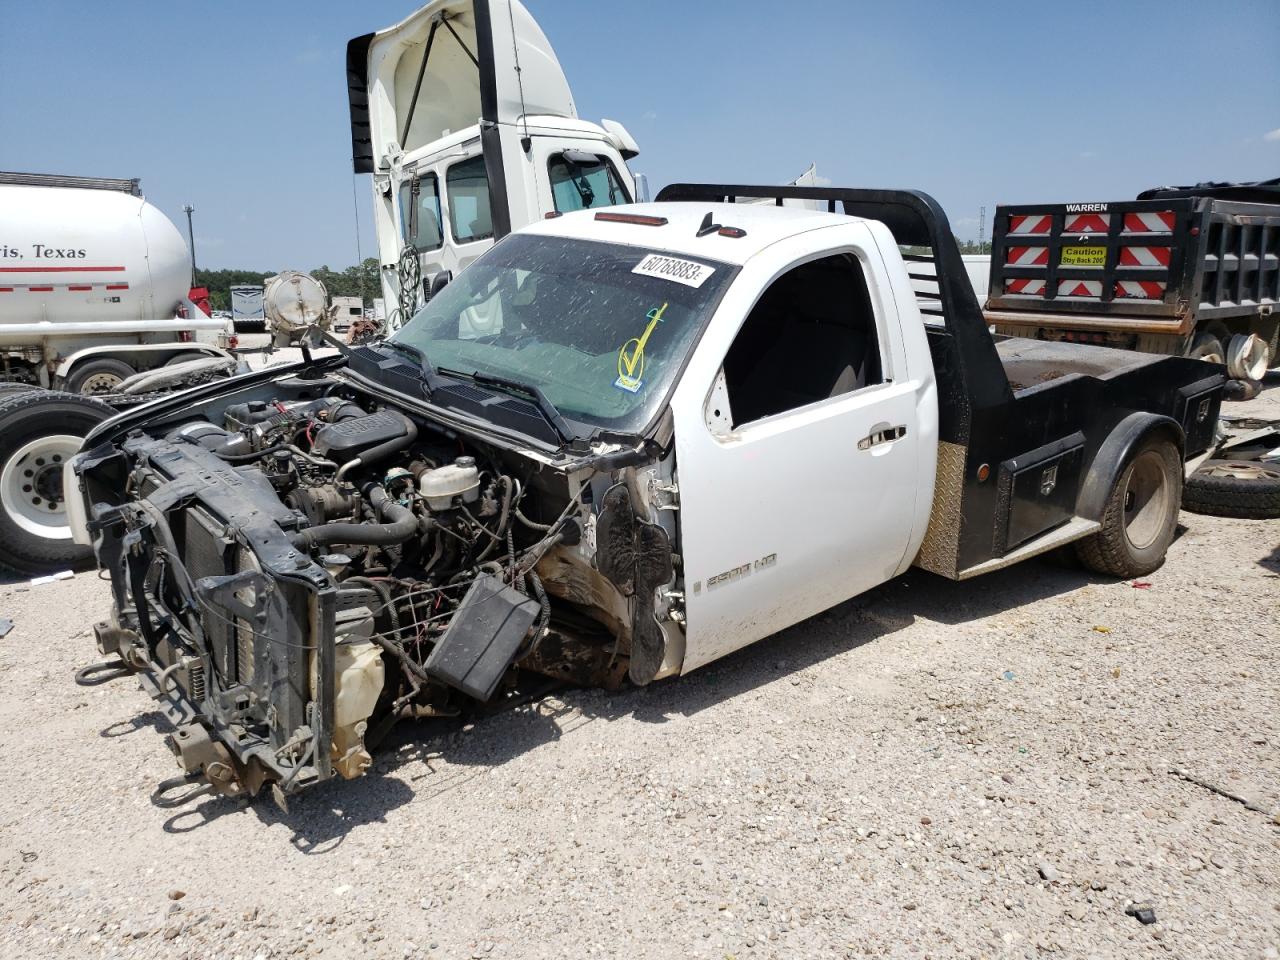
[{"x": 631, "y": 356}]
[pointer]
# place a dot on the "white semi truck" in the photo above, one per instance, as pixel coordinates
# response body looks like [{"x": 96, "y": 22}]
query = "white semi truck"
[
  {"x": 463, "y": 116},
  {"x": 94, "y": 285}
]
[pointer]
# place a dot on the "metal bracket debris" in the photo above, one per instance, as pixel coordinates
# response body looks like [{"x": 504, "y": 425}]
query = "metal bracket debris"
[{"x": 1223, "y": 792}]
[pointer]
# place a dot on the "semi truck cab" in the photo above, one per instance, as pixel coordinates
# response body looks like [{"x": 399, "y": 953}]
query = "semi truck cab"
[{"x": 463, "y": 116}]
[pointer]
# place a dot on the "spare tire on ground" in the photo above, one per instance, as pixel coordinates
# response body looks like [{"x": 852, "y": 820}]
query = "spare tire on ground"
[
  {"x": 1246, "y": 489},
  {"x": 39, "y": 431}
]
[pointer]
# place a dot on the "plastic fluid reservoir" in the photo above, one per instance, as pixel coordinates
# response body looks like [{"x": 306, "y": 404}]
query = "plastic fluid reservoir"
[
  {"x": 359, "y": 669},
  {"x": 458, "y": 479}
]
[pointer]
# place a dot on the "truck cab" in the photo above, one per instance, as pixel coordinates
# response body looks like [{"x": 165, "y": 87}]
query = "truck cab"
[{"x": 464, "y": 119}]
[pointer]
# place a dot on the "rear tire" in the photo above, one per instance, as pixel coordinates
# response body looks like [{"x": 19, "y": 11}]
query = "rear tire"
[
  {"x": 1245, "y": 489},
  {"x": 39, "y": 431},
  {"x": 1207, "y": 347},
  {"x": 97, "y": 377},
  {"x": 1140, "y": 515}
]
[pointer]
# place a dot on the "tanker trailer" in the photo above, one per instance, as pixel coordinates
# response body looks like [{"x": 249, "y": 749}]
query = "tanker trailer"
[{"x": 94, "y": 285}]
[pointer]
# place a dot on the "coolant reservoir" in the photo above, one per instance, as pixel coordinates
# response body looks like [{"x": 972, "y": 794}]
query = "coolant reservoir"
[
  {"x": 458, "y": 479},
  {"x": 360, "y": 674}
]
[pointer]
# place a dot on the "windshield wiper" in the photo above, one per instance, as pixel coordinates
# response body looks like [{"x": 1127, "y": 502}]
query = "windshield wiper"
[
  {"x": 549, "y": 411},
  {"x": 417, "y": 353}
]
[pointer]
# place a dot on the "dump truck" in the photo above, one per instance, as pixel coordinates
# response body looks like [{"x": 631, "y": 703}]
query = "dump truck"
[
  {"x": 620, "y": 445},
  {"x": 1190, "y": 271}
]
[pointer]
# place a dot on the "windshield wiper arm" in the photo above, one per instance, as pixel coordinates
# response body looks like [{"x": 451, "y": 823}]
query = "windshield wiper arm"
[
  {"x": 417, "y": 353},
  {"x": 549, "y": 411}
]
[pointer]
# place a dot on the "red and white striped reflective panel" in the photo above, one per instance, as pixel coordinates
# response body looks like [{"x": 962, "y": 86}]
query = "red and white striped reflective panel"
[
  {"x": 1037, "y": 223},
  {"x": 62, "y": 287},
  {"x": 1027, "y": 256},
  {"x": 1087, "y": 223},
  {"x": 1026, "y": 287},
  {"x": 1080, "y": 288},
  {"x": 1144, "y": 256},
  {"x": 1140, "y": 289},
  {"x": 1161, "y": 222}
]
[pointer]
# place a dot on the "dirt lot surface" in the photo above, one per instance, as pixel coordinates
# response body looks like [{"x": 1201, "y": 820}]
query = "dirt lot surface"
[{"x": 935, "y": 769}]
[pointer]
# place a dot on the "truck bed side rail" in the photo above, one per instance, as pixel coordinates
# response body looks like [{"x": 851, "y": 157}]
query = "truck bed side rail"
[{"x": 969, "y": 374}]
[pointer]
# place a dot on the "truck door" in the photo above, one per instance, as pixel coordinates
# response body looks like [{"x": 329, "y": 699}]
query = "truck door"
[{"x": 796, "y": 449}]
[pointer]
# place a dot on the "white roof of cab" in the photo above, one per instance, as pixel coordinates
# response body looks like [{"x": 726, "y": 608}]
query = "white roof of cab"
[{"x": 764, "y": 225}]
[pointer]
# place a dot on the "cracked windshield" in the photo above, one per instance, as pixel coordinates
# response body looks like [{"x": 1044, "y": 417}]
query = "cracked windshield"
[{"x": 601, "y": 329}]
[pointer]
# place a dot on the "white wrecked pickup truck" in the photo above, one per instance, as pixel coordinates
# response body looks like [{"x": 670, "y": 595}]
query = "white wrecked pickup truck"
[{"x": 621, "y": 443}]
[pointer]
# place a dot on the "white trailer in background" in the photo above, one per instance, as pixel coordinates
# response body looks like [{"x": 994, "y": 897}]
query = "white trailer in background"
[
  {"x": 94, "y": 285},
  {"x": 345, "y": 311},
  {"x": 248, "y": 308},
  {"x": 445, "y": 186}
]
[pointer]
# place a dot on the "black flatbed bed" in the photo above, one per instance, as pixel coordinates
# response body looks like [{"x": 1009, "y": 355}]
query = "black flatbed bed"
[{"x": 1031, "y": 433}]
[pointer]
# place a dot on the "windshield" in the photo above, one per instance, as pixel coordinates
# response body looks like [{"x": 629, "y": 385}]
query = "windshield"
[{"x": 601, "y": 329}]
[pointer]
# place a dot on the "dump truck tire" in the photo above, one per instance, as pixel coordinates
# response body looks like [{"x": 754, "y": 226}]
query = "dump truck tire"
[
  {"x": 1207, "y": 347},
  {"x": 1245, "y": 489},
  {"x": 39, "y": 431},
  {"x": 1140, "y": 515}
]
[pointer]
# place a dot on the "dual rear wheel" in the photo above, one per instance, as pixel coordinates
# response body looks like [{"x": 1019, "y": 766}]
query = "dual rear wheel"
[{"x": 39, "y": 432}]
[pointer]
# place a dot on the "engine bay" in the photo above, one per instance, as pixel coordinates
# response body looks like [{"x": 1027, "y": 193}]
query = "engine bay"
[{"x": 299, "y": 564}]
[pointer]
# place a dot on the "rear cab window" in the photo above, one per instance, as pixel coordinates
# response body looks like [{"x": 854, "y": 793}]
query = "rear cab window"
[{"x": 581, "y": 181}]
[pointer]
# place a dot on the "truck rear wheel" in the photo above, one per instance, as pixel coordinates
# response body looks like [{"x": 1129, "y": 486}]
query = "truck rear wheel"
[
  {"x": 95, "y": 377},
  {"x": 39, "y": 431},
  {"x": 1141, "y": 513},
  {"x": 1206, "y": 346}
]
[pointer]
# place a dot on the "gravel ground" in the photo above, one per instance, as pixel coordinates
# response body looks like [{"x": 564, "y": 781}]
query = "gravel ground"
[{"x": 935, "y": 769}]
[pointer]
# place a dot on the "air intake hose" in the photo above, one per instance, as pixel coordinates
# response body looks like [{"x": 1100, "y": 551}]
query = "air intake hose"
[{"x": 401, "y": 525}]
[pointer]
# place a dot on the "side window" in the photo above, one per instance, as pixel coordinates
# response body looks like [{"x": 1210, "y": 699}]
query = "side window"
[
  {"x": 405, "y": 204},
  {"x": 420, "y": 212},
  {"x": 426, "y": 224},
  {"x": 468, "y": 188},
  {"x": 581, "y": 180},
  {"x": 810, "y": 337}
]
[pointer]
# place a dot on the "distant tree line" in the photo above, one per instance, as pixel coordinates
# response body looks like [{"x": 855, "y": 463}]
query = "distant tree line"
[{"x": 356, "y": 281}]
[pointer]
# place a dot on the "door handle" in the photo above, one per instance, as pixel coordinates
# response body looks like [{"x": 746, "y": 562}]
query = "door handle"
[{"x": 885, "y": 435}]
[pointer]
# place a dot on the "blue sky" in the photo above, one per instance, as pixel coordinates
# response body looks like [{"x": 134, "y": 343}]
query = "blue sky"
[{"x": 240, "y": 107}]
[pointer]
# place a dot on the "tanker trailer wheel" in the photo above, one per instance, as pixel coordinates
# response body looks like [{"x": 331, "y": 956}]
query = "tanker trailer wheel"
[
  {"x": 39, "y": 431},
  {"x": 95, "y": 377},
  {"x": 1141, "y": 513}
]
